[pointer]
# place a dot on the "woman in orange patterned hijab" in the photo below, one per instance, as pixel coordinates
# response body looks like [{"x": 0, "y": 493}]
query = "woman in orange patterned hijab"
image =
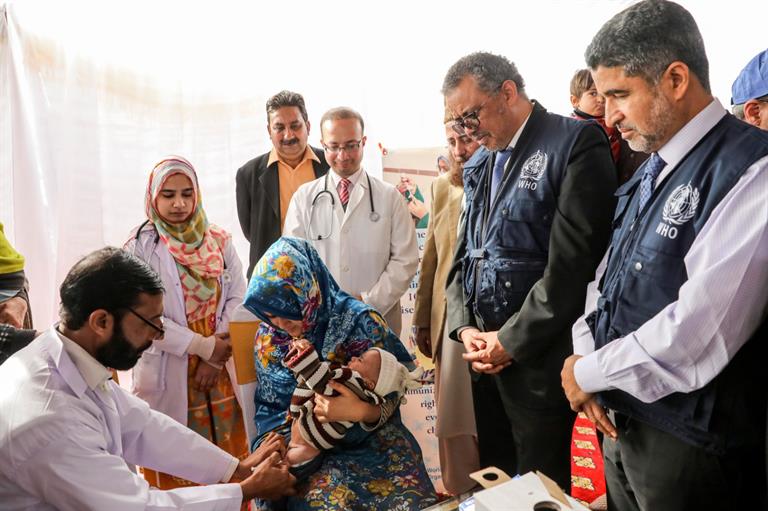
[
  {"x": 183, "y": 374},
  {"x": 173, "y": 204}
]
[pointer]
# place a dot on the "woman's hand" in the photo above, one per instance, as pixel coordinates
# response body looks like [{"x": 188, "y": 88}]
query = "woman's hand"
[
  {"x": 345, "y": 407},
  {"x": 205, "y": 376},
  {"x": 222, "y": 349}
]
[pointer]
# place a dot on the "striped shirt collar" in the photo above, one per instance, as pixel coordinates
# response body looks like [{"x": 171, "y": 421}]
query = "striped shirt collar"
[{"x": 688, "y": 136}]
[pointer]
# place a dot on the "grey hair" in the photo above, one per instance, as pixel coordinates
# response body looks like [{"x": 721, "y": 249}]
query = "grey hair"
[
  {"x": 489, "y": 70},
  {"x": 646, "y": 38},
  {"x": 287, "y": 98},
  {"x": 738, "y": 110}
]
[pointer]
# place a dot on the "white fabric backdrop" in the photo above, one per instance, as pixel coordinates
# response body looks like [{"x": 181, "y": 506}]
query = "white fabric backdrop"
[{"x": 92, "y": 93}]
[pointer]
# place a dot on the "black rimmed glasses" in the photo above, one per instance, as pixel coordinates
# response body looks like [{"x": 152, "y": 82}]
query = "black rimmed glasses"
[
  {"x": 349, "y": 147},
  {"x": 159, "y": 330},
  {"x": 469, "y": 121}
]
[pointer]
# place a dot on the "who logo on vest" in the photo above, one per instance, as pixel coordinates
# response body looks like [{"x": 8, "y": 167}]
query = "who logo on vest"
[
  {"x": 680, "y": 208},
  {"x": 533, "y": 169}
]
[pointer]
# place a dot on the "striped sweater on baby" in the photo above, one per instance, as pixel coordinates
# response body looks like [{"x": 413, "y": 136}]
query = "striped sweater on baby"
[{"x": 313, "y": 376}]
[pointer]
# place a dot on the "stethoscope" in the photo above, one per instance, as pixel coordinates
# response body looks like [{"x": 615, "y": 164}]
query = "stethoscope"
[
  {"x": 138, "y": 235},
  {"x": 373, "y": 215}
]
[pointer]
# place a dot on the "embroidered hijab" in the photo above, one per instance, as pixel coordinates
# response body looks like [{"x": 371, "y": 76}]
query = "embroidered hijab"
[{"x": 196, "y": 245}]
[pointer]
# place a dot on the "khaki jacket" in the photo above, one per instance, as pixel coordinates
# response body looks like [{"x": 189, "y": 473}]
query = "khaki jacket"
[{"x": 437, "y": 259}]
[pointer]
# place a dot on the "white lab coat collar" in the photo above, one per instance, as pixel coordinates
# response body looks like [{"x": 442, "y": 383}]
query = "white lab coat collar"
[
  {"x": 92, "y": 371},
  {"x": 357, "y": 193},
  {"x": 54, "y": 346}
]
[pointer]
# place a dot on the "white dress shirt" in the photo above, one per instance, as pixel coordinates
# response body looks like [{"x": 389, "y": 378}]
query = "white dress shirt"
[
  {"x": 516, "y": 137},
  {"x": 68, "y": 435},
  {"x": 353, "y": 179},
  {"x": 690, "y": 341}
]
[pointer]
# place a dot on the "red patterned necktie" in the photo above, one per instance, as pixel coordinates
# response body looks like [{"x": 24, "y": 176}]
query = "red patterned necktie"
[{"x": 344, "y": 191}]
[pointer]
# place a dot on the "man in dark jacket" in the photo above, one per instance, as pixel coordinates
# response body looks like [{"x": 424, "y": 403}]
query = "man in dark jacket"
[
  {"x": 266, "y": 183},
  {"x": 537, "y": 223}
]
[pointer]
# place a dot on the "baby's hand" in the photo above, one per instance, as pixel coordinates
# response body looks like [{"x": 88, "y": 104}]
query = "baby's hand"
[
  {"x": 300, "y": 344},
  {"x": 295, "y": 350}
]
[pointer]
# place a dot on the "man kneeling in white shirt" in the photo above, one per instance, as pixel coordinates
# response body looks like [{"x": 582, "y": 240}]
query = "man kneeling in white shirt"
[{"x": 68, "y": 434}]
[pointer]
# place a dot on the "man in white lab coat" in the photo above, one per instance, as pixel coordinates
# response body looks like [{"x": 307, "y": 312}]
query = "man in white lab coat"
[
  {"x": 359, "y": 224},
  {"x": 68, "y": 434}
]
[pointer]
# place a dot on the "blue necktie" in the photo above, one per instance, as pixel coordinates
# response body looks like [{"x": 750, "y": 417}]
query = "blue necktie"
[
  {"x": 651, "y": 171},
  {"x": 498, "y": 170}
]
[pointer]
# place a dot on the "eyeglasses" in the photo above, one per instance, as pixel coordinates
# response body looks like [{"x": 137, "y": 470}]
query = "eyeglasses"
[
  {"x": 159, "y": 330},
  {"x": 348, "y": 147},
  {"x": 468, "y": 121}
]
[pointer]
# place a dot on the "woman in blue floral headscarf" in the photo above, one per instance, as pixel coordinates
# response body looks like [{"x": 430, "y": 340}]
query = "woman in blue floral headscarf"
[{"x": 379, "y": 464}]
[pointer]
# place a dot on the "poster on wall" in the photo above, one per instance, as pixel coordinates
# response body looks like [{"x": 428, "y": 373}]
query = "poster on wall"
[{"x": 412, "y": 171}]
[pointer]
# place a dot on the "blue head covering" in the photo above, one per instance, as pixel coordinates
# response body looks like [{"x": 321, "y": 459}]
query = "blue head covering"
[
  {"x": 291, "y": 281},
  {"x": 752, "y": 82}
]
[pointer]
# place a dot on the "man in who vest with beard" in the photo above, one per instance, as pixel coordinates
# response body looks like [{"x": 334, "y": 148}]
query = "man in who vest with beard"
[{"x": 671, "y": 342}]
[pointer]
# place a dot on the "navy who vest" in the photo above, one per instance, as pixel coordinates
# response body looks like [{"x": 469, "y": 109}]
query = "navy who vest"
[
  {"x": 508, "y": 238},
  {"x": 646, "y": 270},
  {"x": 472, "y": 170}
]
